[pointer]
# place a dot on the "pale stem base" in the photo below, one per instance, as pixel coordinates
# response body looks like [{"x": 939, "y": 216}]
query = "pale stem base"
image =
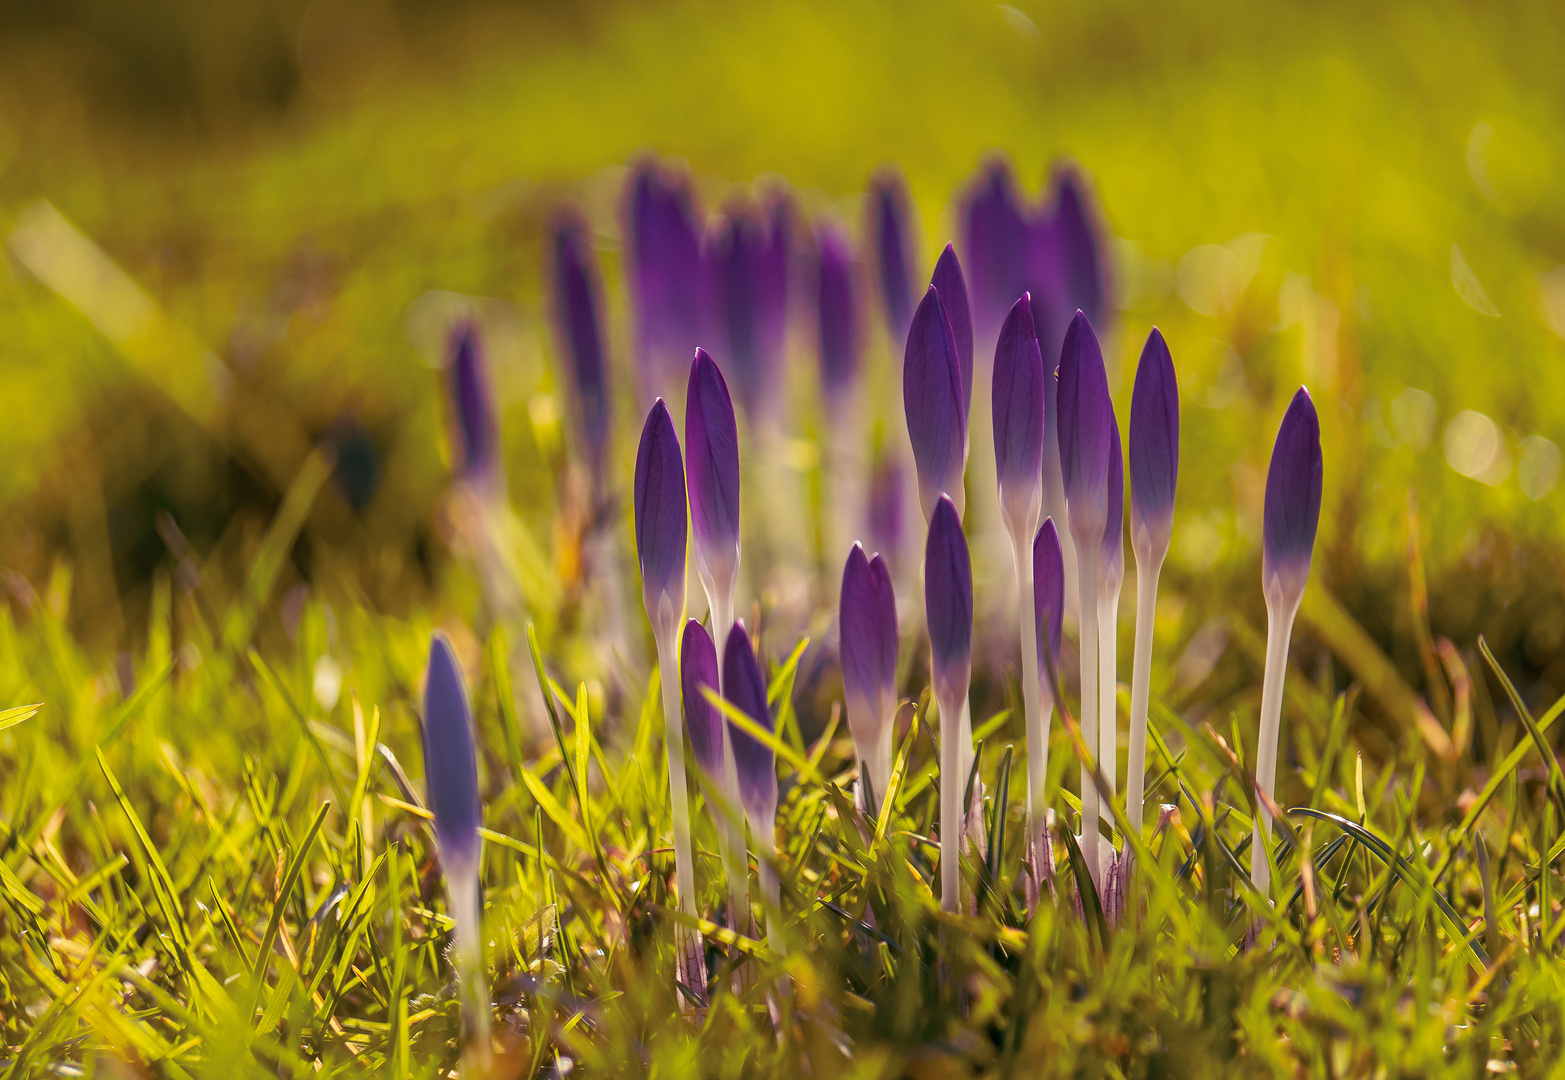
[
  {"x": 688, "y": 942},
  {"x": 730, "y": 822},
  {"x": 1147, "y": 571},
  {"x": 1279, "y": 632},
  {"x": 468, "y": 958},
  {"x": 1037, "y": 736},
  {"x": 953, "y": 777},
  {"x": 1087, "y": 585},
  {"x": 1108, "y": 704}
]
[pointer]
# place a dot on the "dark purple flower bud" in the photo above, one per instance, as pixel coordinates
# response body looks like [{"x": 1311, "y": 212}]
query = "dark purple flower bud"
[
  {"x": 1154, "y": 447},
  {"x": 948, "y": 602},
  {"x": 664, "y": 266},
  {"x": 1018, "y": 411},
  {"x": 450, "y": 761},
  {"x": 1292, "y": 514},
  {"x": 837, "y": 310},
  {"x": 777, "y": 267},
  {"x": 885, "y": 506},
  {"x": 577, "y": 302},
  {"x": 1086, "y": 429},
  {"x": 703, "y": 721},
  {"x": 712, "y": 469},
  {"x": 868, "y": 633},
  {"x": 661, "y": 529},
  {"x": 952, "y": 287},
  {"x": 994, "y": 246},
  {"x": 890, "y": 233},
  {"x": 932, "y": 396},
  {"x": 738, "y": 258},
  {"x": 1048, "y": 590},
  {"x": 745, "y": 688},
  {"x": 476, "y": 439},
  {"x": 1080, "y": 245},
  {"x": 1114, "y": 499}
]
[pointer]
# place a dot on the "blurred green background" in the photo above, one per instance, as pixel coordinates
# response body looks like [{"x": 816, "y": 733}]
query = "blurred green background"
[{"x": 1371, "y": 202}]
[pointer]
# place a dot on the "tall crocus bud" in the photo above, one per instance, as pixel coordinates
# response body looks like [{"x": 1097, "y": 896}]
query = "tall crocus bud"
[
  {"x": 948, "y": 608},
  {"x": 948, "y": 281},
  {"x": 994, "y": 230},
  {"x": 745, "y": 688},
  {"x": 890, "y": 232},
  {"x": 868, "y": 635},
  {"x": 712, "y": 466},
  {"x": 837, "y": 314},
  {"x": 1087, "y": 437},
  {"x": 933, "y": 396},
  {"x": 663, "y": 270},
  {"x": 476, "y": 440},
  {"x": 1048, "y": 595},
  {"x": 1292, "y": 514},
  {"x": 698, "y": 670},
  {"x": 577, "y": 303},
  {"x": 451, "y": 784},
  {"x": 1154, "y": 472}
]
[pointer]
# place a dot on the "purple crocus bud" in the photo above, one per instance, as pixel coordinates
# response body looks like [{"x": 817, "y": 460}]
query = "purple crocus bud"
[
  {"x": 661, "y": 529},
  {"x": 472, "y": 409},
  {"x": 885, "y": 505},
  {"x": 837, "y": 309},
  {"x": 777, "y": 266},
  {"x": 994, "y": 246},
  {"x": 1086, "y": 430},
  {"x": 890, "y": 232},
  {"x": 948, "y": 602},
  {"x": 737, "y": 257},
  {"x": 868, "y": 634},
  {"x": 712, "y": 468},
  {"x": 1018, "y": 413},
  {"x": 703, "y": 721},
  {"x": 1048, "y": 589},
  {"x": 1111, "y": 562},
  {"x": 1154, "y": 448},
  {"x": 952, "y": 287},
  {"x": 1292, "y": 502},
  {"x": 664, "y": 266},
  {"x": 1080, "y": 245},
  {"x": 745, "y": 688},
  {"x": 933, "y": 396},
  {"x": 450, "y": 760},
  {"x": 577, "y": 303}
]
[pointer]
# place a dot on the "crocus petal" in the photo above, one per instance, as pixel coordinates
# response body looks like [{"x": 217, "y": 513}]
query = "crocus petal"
[
  {"x": 450, "y": 760},
  {"x": 890, "y": 230},
  {"x": 1018, "y": 410},
  {"x": 745, "y": 688},
  {"x": 467, "y": 383},
  {"x": 952, "y": 287},
  {"x": 1048, "y": 590},
  {"x": 837, "y": 311},
  {"x": 577, "y": 305},
  {"x": 661, "y": 529},
  {"x": 932, "y": 396},
  {"x": 1154, "y": 447},
  {"x": 994, "y": 246},
  {"x": 1086, "y": 427},
  {"x": 664, "y": 266},
  {"x": 1114, "y": 499},
  {"x": 948, "y": 601},
  {"x": 885, "y": 505},
  {"x": 712, "y": 468},
  {"x": 1293, "y": 485},
  {"x": 703, "y": 720},
  {"x": 868, "y": 633}
]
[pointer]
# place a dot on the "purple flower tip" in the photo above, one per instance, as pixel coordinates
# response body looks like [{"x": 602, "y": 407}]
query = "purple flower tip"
[
  {"x": 661, "y": 529},
  {"x": 952, "y": 287},
  {"x": 577, "y": 304},
  {"x": 1048, "y": 590},
  {"x": 745, "y": 688},
  {"x": 1086, "y": 428},
  {"x": 703, "y": 721},
  {"x": 1154, "y": 445},
  {"x": 890, "y": 230},
  {"x": 948, "y": 601},
  {"x": 868, "y": 632},
  {"x": 712, "y": 468},
  {"x": 1018, "y": 410},
  {"x": 450, "y": 760},
  {"x": 932, "y": 396},
  {"x": 467, "y": 382},
  {"x": 837, "y": 311},
  {"x": 1293, "y": 485}
]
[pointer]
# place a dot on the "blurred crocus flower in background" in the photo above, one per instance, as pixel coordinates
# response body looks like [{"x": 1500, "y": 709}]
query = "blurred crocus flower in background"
[
  {"x": 578, "y": 302},
  {"x": 932, "y": 397},
  {"x": 451, "y": 787},
  {"x": 474, "y": 429},
  {"x": 948, "y": 607},
  {"x": 745, "y": 688},
  {"x": 891, "y": 236},
  {"x": 663, "y": 273},
  {"x": 993, "y": 231},
  {"x": 739, "y": 269},
  {"x": 867, "y": 624},
  {"x": 840, "y": 345},
  {"x": 1290, "y": 520},
  {"x": 886, "y": 510}
]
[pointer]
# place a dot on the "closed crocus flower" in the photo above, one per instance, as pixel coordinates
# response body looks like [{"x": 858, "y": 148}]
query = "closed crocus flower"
[
  {"x": 1048, "y": 583},
  {"x": 1080, "y": 244},
  {"x": 994, "y": 228},
  {"x": 661, "y": 529},
  {"x": 577, "y": 298},
  {"x": 886, "y": 506},
  {"x": 948, "y": 609},
  {"x": 868, "y": 635},
  {"x": 837, "y": 314},
  {"x": 476, "y": 441},
  {"x": 891, "y": 235},
  {"x": 948, "y": 281},
  {"x": 745, "y": 688},
  {"x": 777, "y": 277},
  {"x": 703, "y": 721},
  {"x": 1018, "y": 406},
  {"x": 712, "y": 468},
  {"x": 932, "y": 396},
  {"x": 737, "y": 256},
  {"x": 663, "y": 269}
]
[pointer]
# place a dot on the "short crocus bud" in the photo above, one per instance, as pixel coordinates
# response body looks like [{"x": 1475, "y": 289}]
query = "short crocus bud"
[
  {"x": 1293, "y": 485},
  {"x": 661, "y": 528},
  {"x": 577, "y": 304},
  {"x": 712, "y": 470},
  {"x": 948, "y": 610},
  {"x": 1154, "y": 449},
  {"x": 476, "y": 439},
  {"x": 948, "y": 281},
  {"x": 932, "y": 395},
  {"x": 703, "y": 721},
  {"x": 837, "y": 313},
  {"x": 1048, "y": 585},
  {"x": 994, "y": 236},
  {"x": 1086, "y": 430},
  {"x": 890, "y": 232},
  {"x": 1018, "y": 415},
  {"x": 745, "y": 688},
  {"x": 663, "y": 269},
  {"x": 868, "y": 636}
]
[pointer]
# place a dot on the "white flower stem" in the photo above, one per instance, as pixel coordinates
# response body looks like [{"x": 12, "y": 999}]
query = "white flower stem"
[
  {"x": 1108, "y": 702},
  {"x": 1037, "y": 737},
  {"x": 687, "y": 942},
  {"x": 467, "y": 953},
  {"x": 1087, "y": 582},
  {"x": 1147, "y": 571},
  {"x": 953, "y": 777},
  {"x": 1279, "y": 632}
]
